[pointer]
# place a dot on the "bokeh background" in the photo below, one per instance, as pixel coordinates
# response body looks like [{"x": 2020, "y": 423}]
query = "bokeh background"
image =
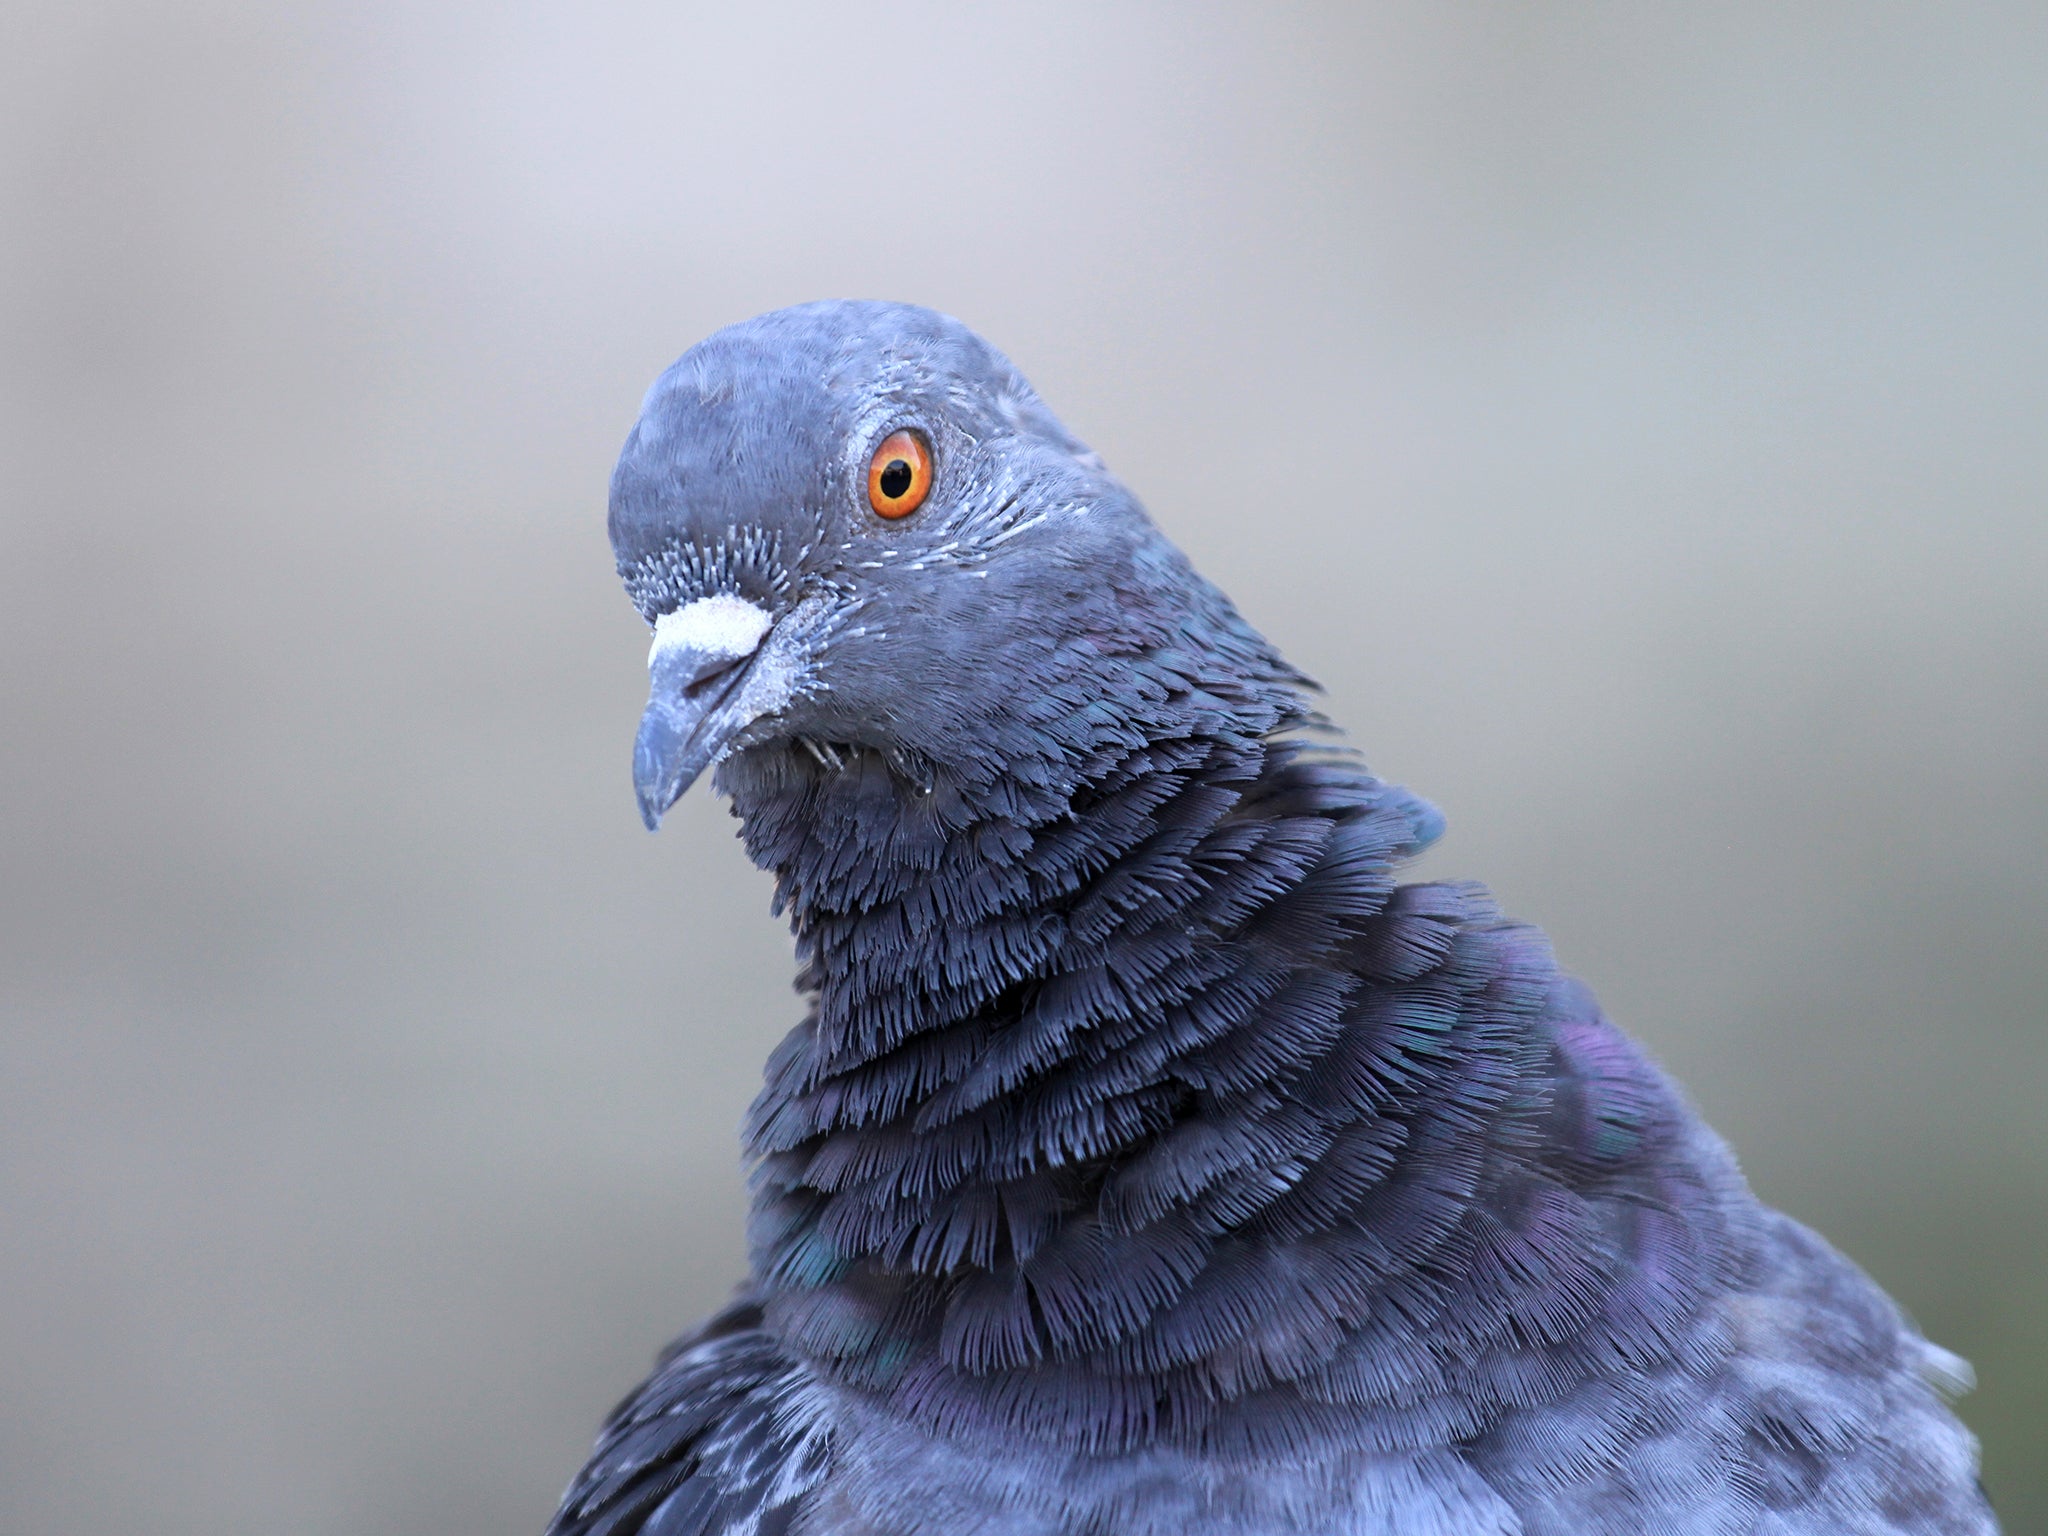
[{"x": 1635, "y": 414}]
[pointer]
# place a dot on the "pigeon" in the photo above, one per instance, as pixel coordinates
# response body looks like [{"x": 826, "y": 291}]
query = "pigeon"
[{"x": 1150, "y": 1159}]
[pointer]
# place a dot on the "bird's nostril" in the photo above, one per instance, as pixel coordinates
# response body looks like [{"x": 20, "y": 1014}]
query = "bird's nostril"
[{"x": 705, "y": 682}]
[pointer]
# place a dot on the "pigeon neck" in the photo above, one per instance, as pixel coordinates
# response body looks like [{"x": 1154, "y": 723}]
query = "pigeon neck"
[{"x": 1126, "y": 1106}]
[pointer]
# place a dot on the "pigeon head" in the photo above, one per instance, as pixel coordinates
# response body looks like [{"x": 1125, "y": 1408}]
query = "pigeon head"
[{"x": 854, "y": 527}]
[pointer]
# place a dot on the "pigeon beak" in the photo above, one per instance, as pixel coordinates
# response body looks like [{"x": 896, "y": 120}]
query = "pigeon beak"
[{"x": 700, "y": 653}]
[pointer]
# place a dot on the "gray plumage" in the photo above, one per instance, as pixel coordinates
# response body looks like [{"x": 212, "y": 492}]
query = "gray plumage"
[{"x": 1150, "y": 1160}]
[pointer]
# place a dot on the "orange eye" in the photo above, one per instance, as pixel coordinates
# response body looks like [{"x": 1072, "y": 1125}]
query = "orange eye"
[{"x": 899, "y": 475}]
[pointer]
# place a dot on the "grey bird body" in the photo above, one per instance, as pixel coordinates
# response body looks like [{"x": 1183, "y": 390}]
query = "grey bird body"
[{"x": 1150, "y": 1159}]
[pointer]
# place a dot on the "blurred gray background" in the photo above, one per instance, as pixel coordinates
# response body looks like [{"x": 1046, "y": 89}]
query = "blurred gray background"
[{"x": 1634, "y": 414}]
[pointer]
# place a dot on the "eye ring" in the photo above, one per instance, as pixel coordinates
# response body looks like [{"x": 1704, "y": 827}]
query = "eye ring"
[{"x": 899, "y": 474}]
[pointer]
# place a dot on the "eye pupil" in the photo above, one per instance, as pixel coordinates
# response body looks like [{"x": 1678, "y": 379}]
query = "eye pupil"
[{"x": 895, "y": 479}]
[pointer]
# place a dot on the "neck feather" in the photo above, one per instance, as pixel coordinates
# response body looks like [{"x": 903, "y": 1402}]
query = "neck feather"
[{"x": 1138, "y": 1103}]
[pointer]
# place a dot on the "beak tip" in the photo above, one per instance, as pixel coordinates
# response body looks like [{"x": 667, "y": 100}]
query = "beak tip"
[
  {"x": 663, "y": 768},
  {"x": 655, "y": 788},
  {"x": 658, "y": 765}
]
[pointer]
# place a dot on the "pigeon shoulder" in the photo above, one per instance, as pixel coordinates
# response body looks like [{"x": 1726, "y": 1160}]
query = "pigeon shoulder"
[
  {"x": 1842, "y": 1404},
  {"x": 720, "y": 1441},
  {"x": 1788, "y": 1397},
  {"x": 1806, "y": 1404}
]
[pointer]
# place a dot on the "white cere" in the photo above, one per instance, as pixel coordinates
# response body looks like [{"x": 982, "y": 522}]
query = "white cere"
[{"x": 721, "y": 625}]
